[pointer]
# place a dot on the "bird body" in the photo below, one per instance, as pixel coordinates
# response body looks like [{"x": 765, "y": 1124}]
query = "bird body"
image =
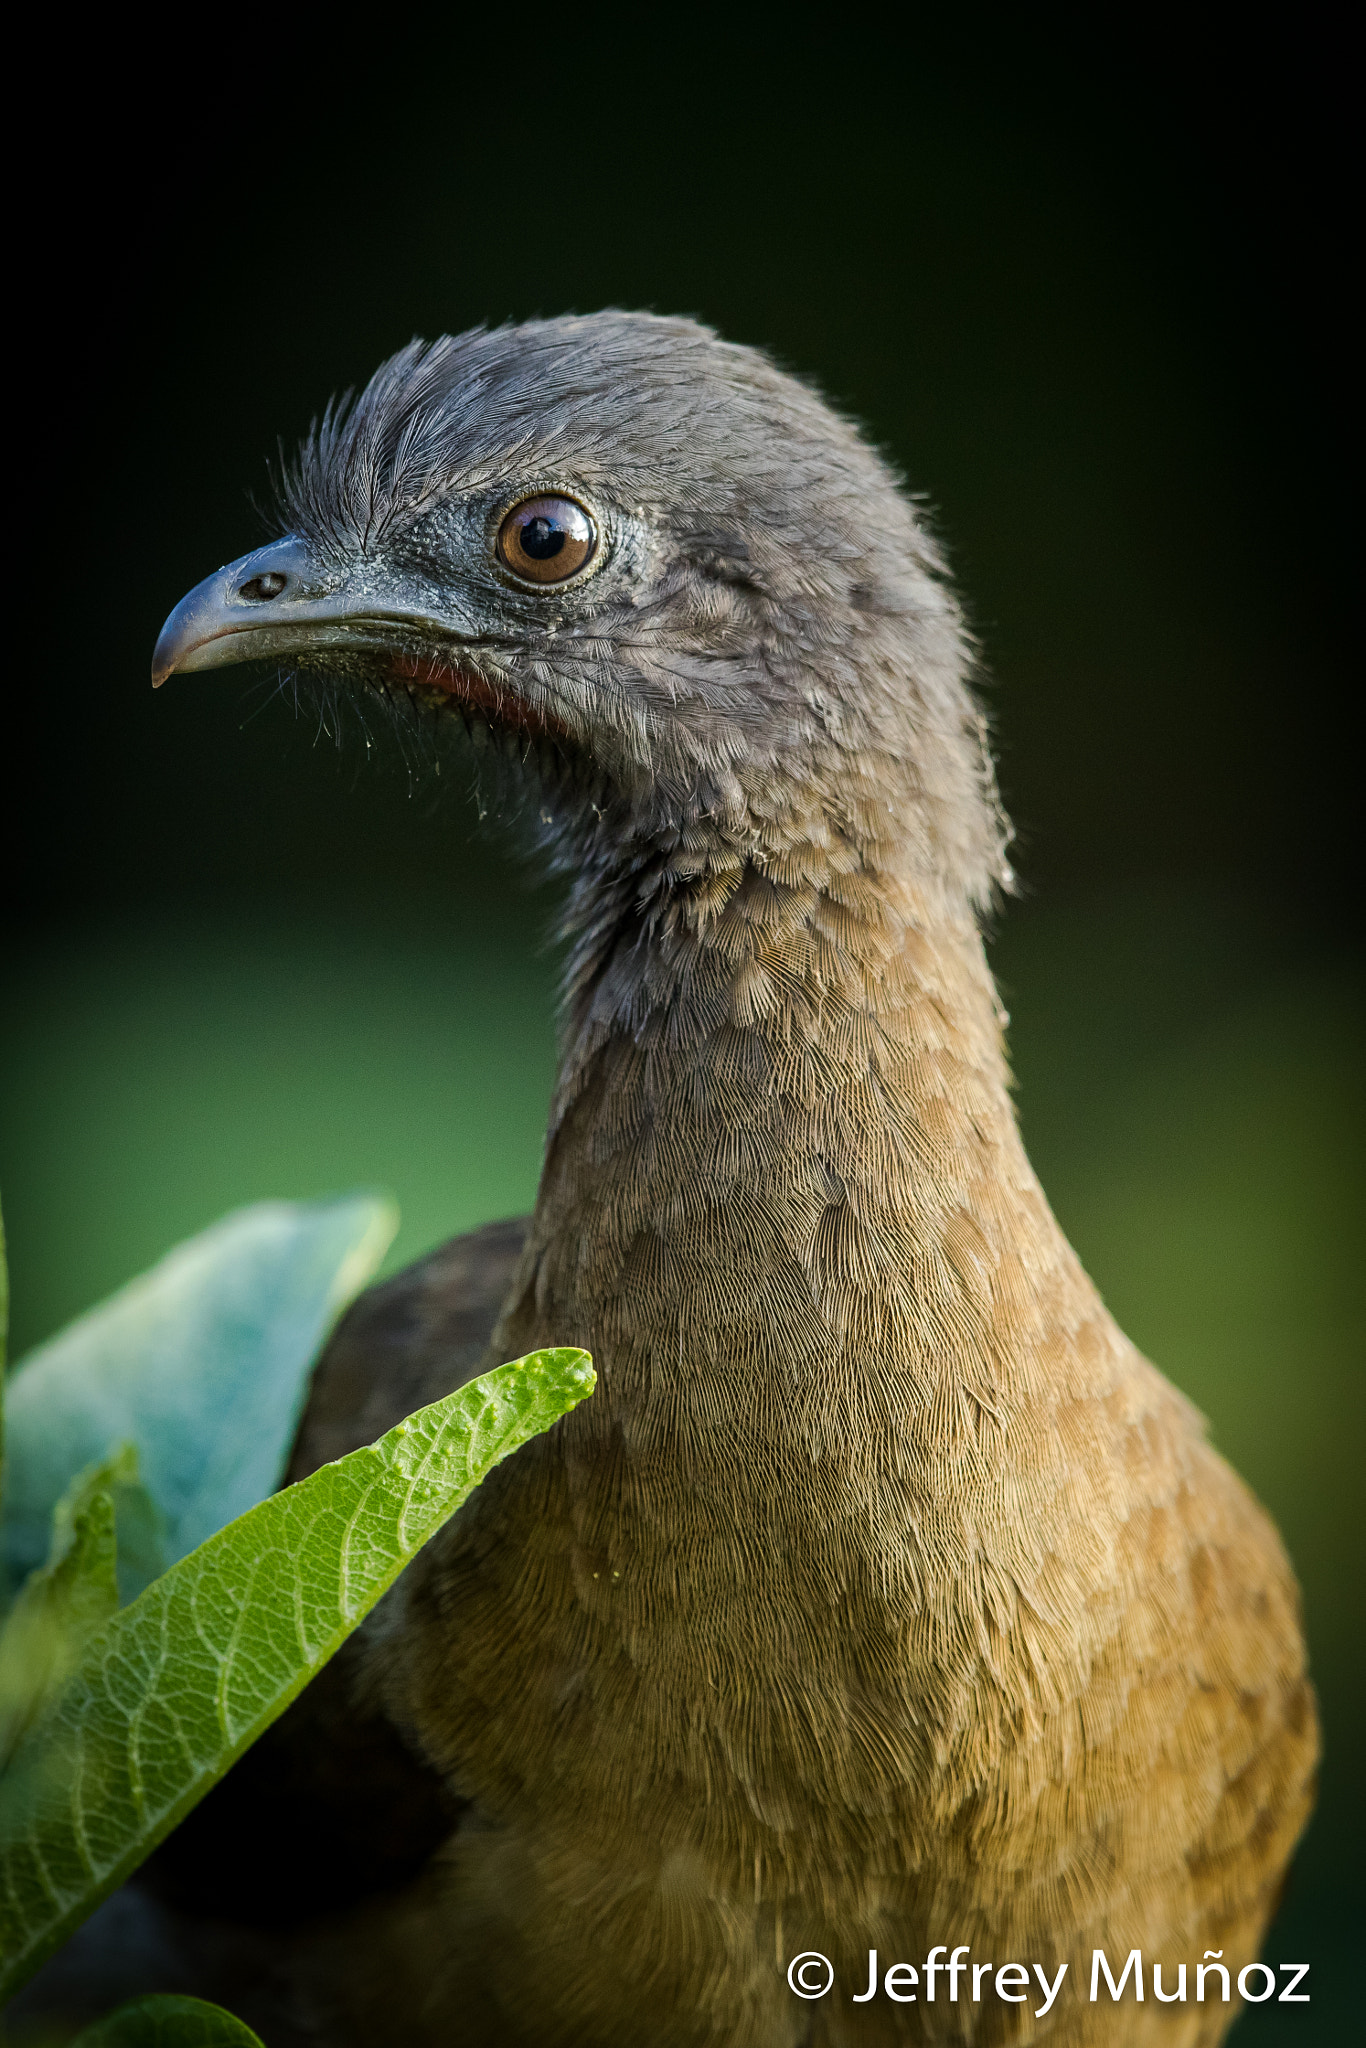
[{"x": 883, "y": 1595}]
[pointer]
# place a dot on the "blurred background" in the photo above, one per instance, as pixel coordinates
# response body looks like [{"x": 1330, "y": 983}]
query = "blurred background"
[{"x": 1088, "y": 293}]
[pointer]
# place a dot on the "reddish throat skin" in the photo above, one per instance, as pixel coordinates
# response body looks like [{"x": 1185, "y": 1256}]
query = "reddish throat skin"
[{"x": 505, "y": 706}]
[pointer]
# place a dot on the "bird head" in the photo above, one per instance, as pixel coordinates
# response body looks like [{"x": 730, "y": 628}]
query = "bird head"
[{"x": 667, "y": 574}]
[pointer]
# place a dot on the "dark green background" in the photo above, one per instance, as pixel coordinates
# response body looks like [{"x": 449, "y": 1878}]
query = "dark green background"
[{"x": 1088, "y": 295}]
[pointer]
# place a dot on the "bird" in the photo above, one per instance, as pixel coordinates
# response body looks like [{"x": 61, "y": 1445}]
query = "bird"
[{"x": 883, "y": 1595}]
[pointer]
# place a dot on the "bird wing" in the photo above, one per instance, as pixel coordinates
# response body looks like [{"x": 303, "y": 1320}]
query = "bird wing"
[
  {"x": 354, "y": 1810},
  {"x": 406, "y": 1342}
]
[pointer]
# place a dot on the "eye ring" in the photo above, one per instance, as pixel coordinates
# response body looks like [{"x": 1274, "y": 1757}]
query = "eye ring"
[{"x": 547, "y": 538}]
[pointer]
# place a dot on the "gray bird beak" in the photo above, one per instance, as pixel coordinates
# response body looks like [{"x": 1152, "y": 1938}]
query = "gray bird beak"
[{"x": 275, "y": 603}]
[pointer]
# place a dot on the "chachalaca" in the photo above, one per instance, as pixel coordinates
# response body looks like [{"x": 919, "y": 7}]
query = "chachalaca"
[{"x": 883, "y": 1595}]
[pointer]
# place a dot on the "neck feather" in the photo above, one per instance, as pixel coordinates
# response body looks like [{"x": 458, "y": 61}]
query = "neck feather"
[
  {"x": 782, "y": 1152},
  {"x": 848, "y": 1367}
]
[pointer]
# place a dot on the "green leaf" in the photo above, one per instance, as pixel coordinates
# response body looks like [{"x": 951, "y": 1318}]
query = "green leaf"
[
  {"x": 177, "y": 1686},
  {"x": 168, "y": 2021},
  {"x": 65, "y": 1603},
  {"x": 203, "y": 1363},
  {"x": 4, "y": 1338}
]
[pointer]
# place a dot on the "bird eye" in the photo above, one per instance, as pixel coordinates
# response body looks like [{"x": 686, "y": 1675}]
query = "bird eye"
[{"x": 545, "y": 540}]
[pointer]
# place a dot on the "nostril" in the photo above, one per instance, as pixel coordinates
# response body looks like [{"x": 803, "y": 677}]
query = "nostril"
[{"x": 261, "y": 589}]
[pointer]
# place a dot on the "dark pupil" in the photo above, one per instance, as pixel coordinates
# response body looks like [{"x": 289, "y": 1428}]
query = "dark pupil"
[{"x": 541, "y": 538}]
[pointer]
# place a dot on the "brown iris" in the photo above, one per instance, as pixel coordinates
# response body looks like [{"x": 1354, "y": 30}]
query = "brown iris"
[{"x": 544, "y": 540}]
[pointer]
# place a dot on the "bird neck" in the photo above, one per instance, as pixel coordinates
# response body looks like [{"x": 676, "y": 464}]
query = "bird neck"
[
  {"x": 847, "y": 1362},
  {"x": 782, "y": 1149}
]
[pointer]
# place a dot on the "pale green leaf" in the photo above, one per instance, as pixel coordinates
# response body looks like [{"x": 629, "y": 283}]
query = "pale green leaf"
[
  {"x": 62, "y": 1605},
  {"x": 177, "y": 1686},
  {"x": 167, "y": 2020},
  {"x": 203, "y": 1363}
]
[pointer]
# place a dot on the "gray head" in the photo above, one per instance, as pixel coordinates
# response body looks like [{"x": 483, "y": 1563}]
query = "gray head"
[{"x": 691, "y": 593}]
